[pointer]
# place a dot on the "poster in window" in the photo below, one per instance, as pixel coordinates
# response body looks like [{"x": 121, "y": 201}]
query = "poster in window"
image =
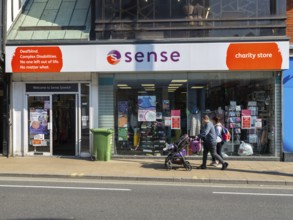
[
  {"x": 38, "y": 121},
  {"x": 147, "y": 102},
  {"x": 46, "y": 104},
  {"x": 246, "y": 122},
  {"x": 175, "y": 119},
  {"x": 175, "y": 112},
  {"x": 175, "y": 122},
  {"x": 39, "y": 140},
  {"x": 253, "y": 120},
  {"x": 258, "y": 123},
  {"x": 147, "y": 115},
  {"x": 122, "y": 114},
  {"x": 146, "y": 108},
  {"x": 245, "y": 112},
  {"x": 122, "y": 134},
  {"x": 167, "y": 121}
]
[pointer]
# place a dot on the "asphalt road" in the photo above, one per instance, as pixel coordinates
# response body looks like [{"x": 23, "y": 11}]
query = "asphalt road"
[{"x": 72, "y": 199}]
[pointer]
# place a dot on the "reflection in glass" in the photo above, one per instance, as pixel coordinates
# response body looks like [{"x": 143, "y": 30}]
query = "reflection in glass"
[{"x": 155, "y": 19}]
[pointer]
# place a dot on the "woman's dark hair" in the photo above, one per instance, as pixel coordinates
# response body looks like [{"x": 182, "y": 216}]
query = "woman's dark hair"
[{"x": 216, "y": 119}]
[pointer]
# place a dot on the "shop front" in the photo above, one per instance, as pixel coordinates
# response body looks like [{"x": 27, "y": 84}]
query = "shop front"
[
  {"x": 53, "y": 118},
  {"x": 153, "y": 109},
  {"x": 150, "y": 94}
]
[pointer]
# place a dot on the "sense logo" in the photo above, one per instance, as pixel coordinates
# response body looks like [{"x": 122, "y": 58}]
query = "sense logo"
[{"x": 114, "y": 57}]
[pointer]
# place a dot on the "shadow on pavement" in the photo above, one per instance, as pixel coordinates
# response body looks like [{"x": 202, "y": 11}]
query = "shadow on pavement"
[
  {"x": 270, "y": 172},
  {"x": 161, "y": 167}
]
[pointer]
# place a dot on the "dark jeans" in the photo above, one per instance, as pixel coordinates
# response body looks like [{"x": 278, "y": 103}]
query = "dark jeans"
[
  {"x": 212, "y": 149},
  {"x": 219, "y": 150}
]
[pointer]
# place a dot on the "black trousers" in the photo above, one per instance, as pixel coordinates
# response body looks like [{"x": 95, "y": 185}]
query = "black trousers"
[
  {"x": 208, "y": 147},
  {"x": 219, "y": 150}
]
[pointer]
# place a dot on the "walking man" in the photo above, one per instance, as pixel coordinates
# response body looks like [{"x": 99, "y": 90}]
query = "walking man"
[{"x": 209, "y": 137}]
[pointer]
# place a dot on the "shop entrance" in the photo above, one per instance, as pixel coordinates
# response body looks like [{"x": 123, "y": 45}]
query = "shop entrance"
[
  {"x": 52, "y": 124},
  {"x": 64, "y": 124}
]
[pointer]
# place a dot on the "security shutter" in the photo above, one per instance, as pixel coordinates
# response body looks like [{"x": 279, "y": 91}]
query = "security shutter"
[
  {"x": 277, "y": 102},
  {"x": 106, "y": 104}
]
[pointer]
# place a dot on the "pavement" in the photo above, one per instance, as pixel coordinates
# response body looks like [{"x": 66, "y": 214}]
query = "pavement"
[{"x": 148, "y": 169}]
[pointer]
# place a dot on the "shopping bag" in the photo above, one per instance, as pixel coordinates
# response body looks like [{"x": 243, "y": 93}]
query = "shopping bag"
[{"x": 245, "y": 149}]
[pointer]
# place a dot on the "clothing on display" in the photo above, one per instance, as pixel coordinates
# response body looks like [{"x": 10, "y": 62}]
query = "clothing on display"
[
  {"x": 61, "y": 124},
  {"x": 194, "y": 121},
  {"x": 194, "y": 124}
]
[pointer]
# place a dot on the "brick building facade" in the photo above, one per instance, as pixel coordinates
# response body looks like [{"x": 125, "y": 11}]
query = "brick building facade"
[{"x": 290, "y": 20}]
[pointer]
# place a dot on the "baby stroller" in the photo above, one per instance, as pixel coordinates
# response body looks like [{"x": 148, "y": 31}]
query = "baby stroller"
[{"x": 177, "y": 153}]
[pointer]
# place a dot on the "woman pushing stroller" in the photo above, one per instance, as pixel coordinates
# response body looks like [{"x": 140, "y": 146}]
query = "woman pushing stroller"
[{"x": 209, "y": 138}]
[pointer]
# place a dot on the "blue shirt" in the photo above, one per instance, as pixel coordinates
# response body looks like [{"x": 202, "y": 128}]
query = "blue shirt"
[{"x": 208, "y": 133}]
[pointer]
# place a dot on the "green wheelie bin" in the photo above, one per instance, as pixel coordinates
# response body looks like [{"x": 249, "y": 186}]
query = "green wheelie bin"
[{"x": 102, "y": 143}]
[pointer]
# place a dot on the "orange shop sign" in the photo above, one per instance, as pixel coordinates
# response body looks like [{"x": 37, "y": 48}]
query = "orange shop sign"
[
  {"x": 254, "y": 56},
  {"x": 37, "y": 59}
]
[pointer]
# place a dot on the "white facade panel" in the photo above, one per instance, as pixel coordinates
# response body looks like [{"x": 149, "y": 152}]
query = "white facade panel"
[
  {"x": 13, "y": 9},
  {"x": 18, "y": 118}
]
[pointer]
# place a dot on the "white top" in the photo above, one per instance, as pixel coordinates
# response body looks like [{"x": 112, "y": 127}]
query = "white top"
[{"x": 218, "y": 128}]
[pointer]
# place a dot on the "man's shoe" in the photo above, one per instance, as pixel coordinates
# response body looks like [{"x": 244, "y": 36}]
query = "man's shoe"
[
  {"x": 201, "y": 167},
  {"x": 224, "y": 166}
]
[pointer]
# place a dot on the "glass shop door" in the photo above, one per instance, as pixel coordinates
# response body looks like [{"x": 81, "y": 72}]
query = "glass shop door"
[{"x": 39, "y": 131}]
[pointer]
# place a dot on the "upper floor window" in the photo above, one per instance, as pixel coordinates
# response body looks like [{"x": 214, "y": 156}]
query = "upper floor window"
[{"x": 127, "y": 19}]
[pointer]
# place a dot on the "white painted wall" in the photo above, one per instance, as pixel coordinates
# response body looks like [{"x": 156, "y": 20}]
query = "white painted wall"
[
  {"x": 13, "y": 9},
  {"x": 18, "y": 133},
  {"x": 94, "y": 106}
]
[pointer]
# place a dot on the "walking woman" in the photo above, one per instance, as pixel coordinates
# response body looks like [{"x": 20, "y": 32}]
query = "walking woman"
[{"x": 218, "y": 129}]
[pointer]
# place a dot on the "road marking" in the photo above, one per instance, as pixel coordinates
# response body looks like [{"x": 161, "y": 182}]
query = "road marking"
[
  {"x": 253, "y": 194},
  {"x": 64, "y": 187},
  {"x": 77, "y": 174}
]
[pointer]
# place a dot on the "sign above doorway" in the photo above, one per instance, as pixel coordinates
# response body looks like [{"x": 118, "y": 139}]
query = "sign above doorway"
[{"x": 54, "y": 87}]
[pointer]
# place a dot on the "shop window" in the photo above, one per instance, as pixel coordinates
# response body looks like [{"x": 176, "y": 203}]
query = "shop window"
[
  {"x": 152, "y": 110},
  {"x": 145, "y": 109}
]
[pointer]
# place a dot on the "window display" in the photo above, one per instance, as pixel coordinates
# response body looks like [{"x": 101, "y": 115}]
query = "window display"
[
  {"x": 155, "y": 110},
  {"x": 39, "y": 121}
]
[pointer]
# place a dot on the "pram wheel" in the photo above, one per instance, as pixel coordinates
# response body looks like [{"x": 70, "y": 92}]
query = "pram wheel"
[
  {"x": 168, "y": 164},
  {"x": 187, "y": 166},
  {"x": 168, "y": 161}
]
